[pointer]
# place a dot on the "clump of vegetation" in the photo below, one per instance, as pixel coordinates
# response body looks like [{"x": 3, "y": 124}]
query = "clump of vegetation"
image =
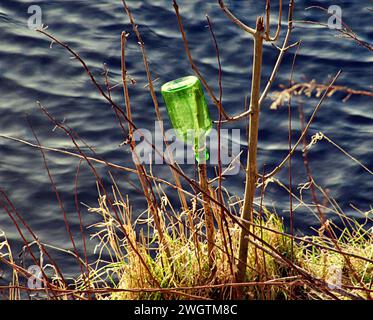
[
  {"x": 165, "y": 253},
  {"x": 284, "y": 268}
]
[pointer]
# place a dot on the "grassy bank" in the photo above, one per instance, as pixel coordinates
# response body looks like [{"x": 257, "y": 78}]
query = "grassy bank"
[{"x": 279, "y": 266}]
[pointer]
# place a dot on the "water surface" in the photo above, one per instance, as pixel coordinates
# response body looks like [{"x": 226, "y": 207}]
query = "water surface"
[{"x": 32, "y": 71}]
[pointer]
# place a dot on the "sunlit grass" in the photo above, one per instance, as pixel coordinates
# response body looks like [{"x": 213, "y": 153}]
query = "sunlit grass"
[{"x": 187, "y": 273}]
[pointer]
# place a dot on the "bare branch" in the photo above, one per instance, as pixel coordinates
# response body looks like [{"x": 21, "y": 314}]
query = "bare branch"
[
  {"x": 234, "y": 19},
  {"x": 304, "y": 132},
  {"x": 216, "y": 101},
  {"x": 284, "y": 48},
  {"x": 310, "y": 88},
  {"x": 268, "y": 14}
]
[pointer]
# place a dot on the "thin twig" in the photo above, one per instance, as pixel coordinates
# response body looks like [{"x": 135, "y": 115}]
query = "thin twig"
[
  {"x": 194, "y": 67},
  {"x": 150, "y": 85},
  {"x": 312, "y": 87},
  {"x": 285, "y": 47},
  {"x": 304, "y": 132},
  {"x": 235, "y": 20}
]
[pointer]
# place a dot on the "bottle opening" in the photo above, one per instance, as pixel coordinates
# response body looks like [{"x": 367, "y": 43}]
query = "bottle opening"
[{"x": 179, "y": 84}]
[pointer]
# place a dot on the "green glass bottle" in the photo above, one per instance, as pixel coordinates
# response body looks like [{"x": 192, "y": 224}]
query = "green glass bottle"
[{"x": 188, "y": 112}]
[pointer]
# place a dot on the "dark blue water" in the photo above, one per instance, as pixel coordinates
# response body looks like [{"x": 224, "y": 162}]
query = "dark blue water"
[{"x": 31, "y": 71}]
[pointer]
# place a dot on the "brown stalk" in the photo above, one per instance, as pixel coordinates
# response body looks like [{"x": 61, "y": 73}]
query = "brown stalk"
[
  {"x": 59, "y": 200},
  {"x": 309, "y": 172},
  {"x": 140, "y": 168},
  {"x": 260, "y": 34},
  {"x": 9, "y": 211},
  {"x": 304, "y": 132},
  {"x": 346, "y": 31},
  {"x": 96, "y": 160},
  {"x": 82, "y": 232},
  {"x": 310, "y": 88},
  {"x": 209, "y": 218},
  {"x": 268, "y": 19},
  {"x": 223, "y": 219},
  {"x": 290, "y": 164},
  {"x": 100, "y": 183},
  {"x": 325, "y": 226},
  {"x": 217, "y": 103},
  {"x": 247, "y": 235},
  {"x": 155, "y": 101},
  {"x": 285, "y": 47},
  {"x": 114, "y": 105},
  {"x": 251, "y": 169}
]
